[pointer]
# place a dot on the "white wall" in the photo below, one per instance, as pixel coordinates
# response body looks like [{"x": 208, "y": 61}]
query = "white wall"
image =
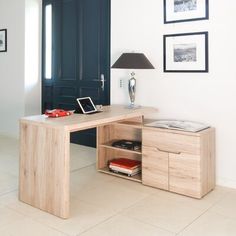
[
  {"x": 207, "y": 97},
  {"x": 12, "y": 66},
  {"x": 16, "y": 95}
]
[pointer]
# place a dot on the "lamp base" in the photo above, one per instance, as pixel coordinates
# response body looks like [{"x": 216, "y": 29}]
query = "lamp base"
[{"x": 133, "y": 106}]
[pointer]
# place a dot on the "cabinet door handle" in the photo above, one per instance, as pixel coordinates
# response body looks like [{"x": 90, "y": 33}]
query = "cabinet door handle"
[{"x": 161, "y": 150}]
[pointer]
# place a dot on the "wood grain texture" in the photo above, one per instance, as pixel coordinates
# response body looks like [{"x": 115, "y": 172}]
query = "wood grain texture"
[
  {"x": 191, "y": 160},
  {"x": 77, "y": 122},
  {"x": 171, "y": 142},
  {"x": 155, "y": 168},
  {"x": 44, "y": 168},
  {"x": 45, "y": 158},
  {"x": 185, "y": 174},
  {"x": 135, "y": 120},
  {"x": 127, "y": 132},
  {"x": 178, "y": 161},
  {"x": 208, "y": 161},
  {"x": 115, "y": 131}
]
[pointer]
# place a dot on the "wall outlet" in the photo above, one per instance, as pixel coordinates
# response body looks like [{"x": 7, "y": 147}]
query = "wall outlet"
[{"x": 121, "y": 83}]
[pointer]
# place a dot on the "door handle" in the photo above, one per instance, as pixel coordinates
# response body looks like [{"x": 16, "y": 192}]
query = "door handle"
[
  {"x": 161, "y": 150},
  {"x": 102, "y": 80}
]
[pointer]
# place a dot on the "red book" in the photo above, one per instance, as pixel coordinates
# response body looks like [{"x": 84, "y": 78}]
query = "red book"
[{"x": 125, "y": 163}]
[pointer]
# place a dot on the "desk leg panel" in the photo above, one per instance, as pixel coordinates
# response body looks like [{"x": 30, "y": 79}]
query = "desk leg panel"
[{"x": 44, "y": 168}]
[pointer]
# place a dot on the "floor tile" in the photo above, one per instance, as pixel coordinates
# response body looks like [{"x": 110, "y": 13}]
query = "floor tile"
[
  {"x": 205, "y": 203},
  {"x": 75, "y": 147},
  {"x": 8, "y": 182},
  {"x": 8, "y": 216},
  {"x": 82, "y": 217},
  {"x": 11, "y": 201},
  {"x": 87, "y": 178},
  {"x": 125, "y": 226},
  {"x": 112, "y": 196},
  {"x": 28, "y": 227},
  {"x": 211, "y": 224},
  {"x": 81, "y": 156},
  {"x": 9, "y": 146},
  {"x": 9, "y": 164},
  {"x": 226, "y": 206},
  {"x": 135, "y": 185},
  {"x": 8, "y": 198},
  {"x": 165, "y": 213}
]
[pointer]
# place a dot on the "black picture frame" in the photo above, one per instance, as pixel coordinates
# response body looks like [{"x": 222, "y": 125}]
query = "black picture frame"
[
  {"x": 186, "y": 53},
  {"x": 3, "y": 40},
  {"x": 173, "y": 16}
]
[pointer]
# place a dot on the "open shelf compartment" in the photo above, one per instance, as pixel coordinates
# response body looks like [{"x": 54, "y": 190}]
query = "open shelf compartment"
[{"x": 107, "y": 134}]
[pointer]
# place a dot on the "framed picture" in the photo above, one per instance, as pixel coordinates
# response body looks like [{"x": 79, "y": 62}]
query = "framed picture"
[
  {"x": 186, "y": 52},
  {"x": 3, "y": 40},
  {"x": 185, "y": 10}
]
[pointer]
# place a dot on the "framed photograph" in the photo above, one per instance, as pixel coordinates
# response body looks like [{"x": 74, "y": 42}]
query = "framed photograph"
[
  {"x": 3, "y": 40},
  {"x": 185, "y": 10},
  {"x": 186, "y": 52}
]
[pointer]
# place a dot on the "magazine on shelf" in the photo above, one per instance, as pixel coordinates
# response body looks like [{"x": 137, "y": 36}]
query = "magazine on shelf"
[{"x": 183, "y": 125}]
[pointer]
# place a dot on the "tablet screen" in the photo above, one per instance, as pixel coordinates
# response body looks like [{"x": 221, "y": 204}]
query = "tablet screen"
[{"x": 86, "y": 104}]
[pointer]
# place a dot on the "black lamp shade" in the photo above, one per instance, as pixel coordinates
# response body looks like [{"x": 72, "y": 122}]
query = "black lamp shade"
[{"x": 133, "y": 61}]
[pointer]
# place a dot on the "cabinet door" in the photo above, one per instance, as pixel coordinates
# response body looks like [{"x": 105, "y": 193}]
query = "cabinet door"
[
  {"x": 155, "y": 168},
  {"x": 184, "y": 174}
]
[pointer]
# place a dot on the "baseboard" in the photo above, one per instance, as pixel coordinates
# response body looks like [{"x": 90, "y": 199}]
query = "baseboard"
[{"x": 226, "y": 182}]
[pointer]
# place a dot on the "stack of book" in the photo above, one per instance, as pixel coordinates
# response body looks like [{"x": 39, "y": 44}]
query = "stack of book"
[{"x": 125, "y": 166}]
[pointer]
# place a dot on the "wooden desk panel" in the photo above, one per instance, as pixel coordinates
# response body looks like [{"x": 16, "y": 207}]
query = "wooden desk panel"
[
  {"x": 77, "y": 122},
  {"x": 45, "y": 168},
  {"x": 45, "y": 155}
]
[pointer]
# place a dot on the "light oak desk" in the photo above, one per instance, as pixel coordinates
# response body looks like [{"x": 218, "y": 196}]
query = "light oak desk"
[{"x": 45, "y": 155}]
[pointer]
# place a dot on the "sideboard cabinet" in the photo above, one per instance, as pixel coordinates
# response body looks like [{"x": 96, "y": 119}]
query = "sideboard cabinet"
[
  {"x": 180, "y": 162},
  {"x": 176, "y": 161}
]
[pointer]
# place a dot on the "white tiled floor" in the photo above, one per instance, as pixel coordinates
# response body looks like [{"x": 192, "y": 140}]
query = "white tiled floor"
[{"x": 103, "y": 205}]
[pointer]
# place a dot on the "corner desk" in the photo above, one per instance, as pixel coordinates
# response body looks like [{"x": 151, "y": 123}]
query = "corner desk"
[
  {"x": 172, "y": 160},
  {"x": 45, "y": 154}
]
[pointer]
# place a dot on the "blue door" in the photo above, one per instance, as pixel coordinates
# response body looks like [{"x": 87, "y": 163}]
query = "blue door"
[{"x": 78, "y": 34}]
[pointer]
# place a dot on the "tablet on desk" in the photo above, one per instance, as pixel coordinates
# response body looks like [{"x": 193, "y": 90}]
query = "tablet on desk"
[{"x": 86, "y": 105}]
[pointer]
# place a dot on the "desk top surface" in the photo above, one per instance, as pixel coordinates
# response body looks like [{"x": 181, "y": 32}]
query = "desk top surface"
[{"x": 76, "y": 122}]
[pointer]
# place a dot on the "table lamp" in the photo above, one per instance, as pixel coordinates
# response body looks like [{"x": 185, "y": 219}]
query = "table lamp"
[{"x": 132, "y": 61}]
